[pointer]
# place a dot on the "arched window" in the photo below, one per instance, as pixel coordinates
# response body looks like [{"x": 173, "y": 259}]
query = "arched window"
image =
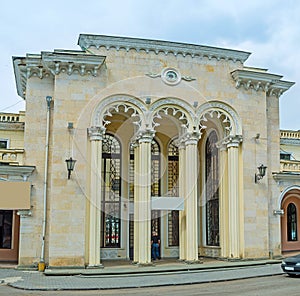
[
  {"x": 155, "y": 184},
  {"x": 173, "y": 190},
  {"x": 212, "y": 190},
  {"x": 292, "y": 222},
  {"x": 111, "y": 192}
]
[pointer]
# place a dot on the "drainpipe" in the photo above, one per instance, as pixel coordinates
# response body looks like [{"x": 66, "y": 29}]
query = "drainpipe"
[{"x": 41, "y": 265}]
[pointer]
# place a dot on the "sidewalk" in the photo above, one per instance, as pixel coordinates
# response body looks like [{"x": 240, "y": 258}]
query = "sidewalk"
[{"x": 118, "y": 274}]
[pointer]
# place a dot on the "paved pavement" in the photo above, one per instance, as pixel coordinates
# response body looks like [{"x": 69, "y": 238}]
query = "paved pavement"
[{"x": 118, "y": 274}]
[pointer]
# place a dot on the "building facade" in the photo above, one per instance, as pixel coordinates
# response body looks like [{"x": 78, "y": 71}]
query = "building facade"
[
  {"x": 166, "y": 136},
  {"x": 14, "y": 185}
]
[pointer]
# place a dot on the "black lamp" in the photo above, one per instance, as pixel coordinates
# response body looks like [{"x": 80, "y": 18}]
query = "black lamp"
[
  {"x": 261, "y": 173},
  {"x": 70, "y": 166}
]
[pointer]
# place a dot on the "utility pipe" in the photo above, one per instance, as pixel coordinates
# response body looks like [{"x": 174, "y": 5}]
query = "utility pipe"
[{"x": 41, "y": 266}]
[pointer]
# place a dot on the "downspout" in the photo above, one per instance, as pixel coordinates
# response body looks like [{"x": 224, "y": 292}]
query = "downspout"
[{"x": 41, "y": 265}]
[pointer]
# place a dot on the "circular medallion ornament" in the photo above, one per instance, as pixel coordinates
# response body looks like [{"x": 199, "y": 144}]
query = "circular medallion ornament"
[{"x": 170, "y": 76}]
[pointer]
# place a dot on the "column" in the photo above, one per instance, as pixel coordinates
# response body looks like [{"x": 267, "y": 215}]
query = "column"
[
  {"x": 223, "y": 202},
  {"x": 144, "y": 198},
  {"x": 191, "y": 180},
  {"x": 96, "y": 136},
  {"x": 233, "y": 195},
  {"x": 182, "y": 214},
  {"x": 136, "y": 203}
]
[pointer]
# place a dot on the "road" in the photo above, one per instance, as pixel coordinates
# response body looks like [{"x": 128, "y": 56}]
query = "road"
[{"x": 261, "y": 286}]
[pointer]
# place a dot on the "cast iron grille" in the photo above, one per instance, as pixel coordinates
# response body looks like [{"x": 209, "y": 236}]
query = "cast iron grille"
[
  {"x": 212, "y": 191},
  {"x": 111, "y": 192},
  {"x": 173, "y": 190}
]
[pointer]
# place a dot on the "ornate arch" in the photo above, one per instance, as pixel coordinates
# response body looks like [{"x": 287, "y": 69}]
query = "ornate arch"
[
  {"x": 174, "y": 107},
  {"x": 228, "y": 117},
  {"x": 285, "y": 192},
  {"x": 116, "y": 103}
]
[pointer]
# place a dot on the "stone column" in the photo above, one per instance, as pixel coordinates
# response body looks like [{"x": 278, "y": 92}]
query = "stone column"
[
  {"x": 234, "y": 199},
  {"x": 191, "y": 181},
  {"x": 182, "y": 214},
  {"x": 136, "y": 203},
  {"x": 223, "y": 202},
  {"x": 144, "y": 199},
  {"x": 96, "y": 137}
]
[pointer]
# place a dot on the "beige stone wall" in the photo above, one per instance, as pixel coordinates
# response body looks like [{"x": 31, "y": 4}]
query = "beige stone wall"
[{"x": 75, "y": 98}]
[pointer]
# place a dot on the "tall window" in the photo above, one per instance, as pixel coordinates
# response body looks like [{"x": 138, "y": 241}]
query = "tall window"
[
  {"x": 212, "y": 190},
  {"x": 6, "y": 220},
  {"x": 111, "y": 191},
  {"x": 173, "y": 189},
  {"x": 155, "y": 183},
  {"x": 292, "y": 222}
]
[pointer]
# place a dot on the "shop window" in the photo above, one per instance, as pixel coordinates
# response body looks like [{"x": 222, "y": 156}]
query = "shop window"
[
  {"x": 6, "y": 221},
  {"x": 292, "y": 222}
]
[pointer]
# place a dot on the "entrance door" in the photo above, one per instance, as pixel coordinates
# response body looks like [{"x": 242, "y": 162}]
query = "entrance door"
[
  {"x": 9, "y": 236},
  {"x": 290, "y": 226}
]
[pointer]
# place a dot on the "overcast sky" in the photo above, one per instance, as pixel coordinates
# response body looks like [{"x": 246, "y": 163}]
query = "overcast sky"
[{"x": 269, "y": 29}]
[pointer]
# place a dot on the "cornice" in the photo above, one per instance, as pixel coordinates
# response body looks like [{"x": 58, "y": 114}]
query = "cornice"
[
  {"x": 49, "y": 64},
  {"x": 286, "y": 176},
  {"x": 288, "y": 141},
  {"x": 157, "y": 46},
  {"x": 14, "y": 170},
  {"x": 268, "y": 82}
]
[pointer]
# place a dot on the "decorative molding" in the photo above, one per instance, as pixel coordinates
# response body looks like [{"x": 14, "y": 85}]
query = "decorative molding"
[
  {"x": 267, "y": 82},
  {"x": 157, "y": 46},
  {"x": 49, "y": 64},
  {"x": 170, "y": 76}
]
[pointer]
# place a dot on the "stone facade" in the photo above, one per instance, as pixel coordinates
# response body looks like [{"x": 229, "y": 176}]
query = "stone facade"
[{"x": 140, "y": 92}]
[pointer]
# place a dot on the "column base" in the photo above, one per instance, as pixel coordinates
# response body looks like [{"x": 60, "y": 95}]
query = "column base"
[
  {"x": 98, "y": 266},
  {"x": 145, "y": 264},
  {"x": 193, "y": 262}
]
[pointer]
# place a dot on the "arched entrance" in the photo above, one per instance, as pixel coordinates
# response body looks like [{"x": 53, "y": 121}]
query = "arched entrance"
[{"x": 290, "y": 221}]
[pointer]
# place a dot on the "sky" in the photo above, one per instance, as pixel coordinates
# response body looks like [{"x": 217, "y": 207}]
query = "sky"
[{"x": 269, "y": 29}]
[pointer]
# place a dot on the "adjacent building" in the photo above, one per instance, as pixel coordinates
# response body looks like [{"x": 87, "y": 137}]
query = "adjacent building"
[{"x": 166, "y": 136}]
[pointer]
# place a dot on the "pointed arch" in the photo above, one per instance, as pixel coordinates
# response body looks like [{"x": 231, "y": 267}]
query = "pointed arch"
[
  {"x": 128, "y": 104},
  {"x": 228, "y": 117},
  {"x": 174, "y": 107}
]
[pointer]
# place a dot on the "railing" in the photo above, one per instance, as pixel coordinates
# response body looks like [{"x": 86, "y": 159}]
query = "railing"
[
  {"x": 290, "y": 134},
  {"x": 290, "y": 166},
  {"x": 12, "y": 117},
  {"x": 12, "y": 156}
]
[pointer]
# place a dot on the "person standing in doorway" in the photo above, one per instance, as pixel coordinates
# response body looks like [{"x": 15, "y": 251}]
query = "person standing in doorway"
[{"x": 155, "y": 243}]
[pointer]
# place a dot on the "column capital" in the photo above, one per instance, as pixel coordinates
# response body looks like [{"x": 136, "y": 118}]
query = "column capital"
[
  {"x": 96, "y": 133},
  {"x": 232, "y": 141},
  {"x": 191, "y": 138},
  {"x": 145, "y": 136}
]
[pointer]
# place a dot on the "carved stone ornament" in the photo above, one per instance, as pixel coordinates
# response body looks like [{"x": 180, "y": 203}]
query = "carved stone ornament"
[{"x": 171, "y": 76}]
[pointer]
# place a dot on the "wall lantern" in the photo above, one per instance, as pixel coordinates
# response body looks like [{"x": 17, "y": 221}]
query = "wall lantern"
[
  {"x": 261, "y": 173},
  {"x": 70, "y": 166}
]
